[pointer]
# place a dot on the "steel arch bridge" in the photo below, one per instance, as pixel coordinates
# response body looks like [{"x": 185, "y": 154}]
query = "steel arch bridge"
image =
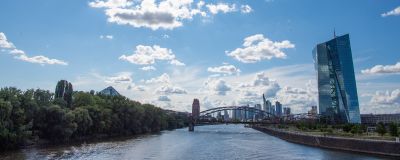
[{"x": 233, "y": 108}]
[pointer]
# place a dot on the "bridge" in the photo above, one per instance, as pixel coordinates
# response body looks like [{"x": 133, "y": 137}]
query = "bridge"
[{"x": 257, "y": 116}]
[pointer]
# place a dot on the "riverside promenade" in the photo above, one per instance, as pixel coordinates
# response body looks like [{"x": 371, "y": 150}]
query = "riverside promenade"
[{"x": 378, "y": 147}]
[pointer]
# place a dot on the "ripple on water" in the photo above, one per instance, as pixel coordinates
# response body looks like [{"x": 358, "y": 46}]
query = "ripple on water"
[{"x": 206, "y": 143}]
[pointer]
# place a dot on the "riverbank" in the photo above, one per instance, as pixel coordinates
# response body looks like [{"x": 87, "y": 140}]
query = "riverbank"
[{"x": 378, "y": 147}]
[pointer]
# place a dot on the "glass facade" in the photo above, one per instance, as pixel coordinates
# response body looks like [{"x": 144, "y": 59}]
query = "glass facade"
[{"x": 337, "y": 90}]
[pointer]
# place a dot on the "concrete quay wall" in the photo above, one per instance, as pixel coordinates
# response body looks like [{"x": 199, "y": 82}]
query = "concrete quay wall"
[{"x": 387, "y": 148}]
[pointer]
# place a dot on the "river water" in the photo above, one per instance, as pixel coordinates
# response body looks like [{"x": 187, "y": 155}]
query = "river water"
[{"x": 205, "y": 143}]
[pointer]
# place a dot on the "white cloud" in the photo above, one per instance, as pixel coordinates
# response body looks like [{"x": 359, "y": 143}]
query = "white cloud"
[
  {"x": 217, "y": 86},
  {"x": 4, "y": 43},
  {"x": 40, "y": 60},
  {"x": 387, "y": 98},
  {"x": 21, "y": 55},
  {"x": 394, "y": 12},
  {"x": 221, "y": 7},
  {"x": 165, "y": 14},
  {"x": 136, "y": 87},
  {"x": 148, "y": 68},
  {"x": 165, "y": 36},
  {"x": 164, "y": 78},
  {"x": 176, "y": 62},
  {"x": 224, "y": 69},
  {"x": 17, "y": 52},
  {"x": 146, "y": 55},
  {"x": 122, "y": 77},
  {"x": 164, "y": 98},
  {"x": 168, "y": 90},
  {"x": 110, "y": 3},
  {"x": 162, "y": 14},
  {"x": 380, "y": 69},
  {"x": 106, "y": 37},
  {"x": 245, "y": 9},
  {"x": 257, "y": 48}
]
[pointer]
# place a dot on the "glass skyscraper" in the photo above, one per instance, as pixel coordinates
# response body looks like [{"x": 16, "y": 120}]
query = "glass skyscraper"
[{"x": 337, "y": 90}]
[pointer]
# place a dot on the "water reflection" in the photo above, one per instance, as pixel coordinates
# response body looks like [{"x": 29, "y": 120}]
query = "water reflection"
[{"x": 207, "y": 142}]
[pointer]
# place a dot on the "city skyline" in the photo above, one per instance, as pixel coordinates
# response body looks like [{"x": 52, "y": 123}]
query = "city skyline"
[{"x": 223, "y": 53}]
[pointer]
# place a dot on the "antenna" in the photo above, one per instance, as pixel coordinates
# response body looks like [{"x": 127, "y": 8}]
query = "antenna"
[{"x": 334, "y": 33}]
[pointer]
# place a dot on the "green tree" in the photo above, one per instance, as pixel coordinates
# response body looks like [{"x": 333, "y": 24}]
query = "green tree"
[
  {"x": 356, "y": 129},
  {"x": 83, "y": 121},
  {"x": 381, "y": 129},
  {"x": 393, "y": 129},
  {"x": 64, "y": 91},
  {"x": 83, "y": 99}
]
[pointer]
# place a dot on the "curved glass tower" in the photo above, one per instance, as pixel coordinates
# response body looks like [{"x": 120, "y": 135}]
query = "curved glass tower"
[{"x": 337, "y": 90}]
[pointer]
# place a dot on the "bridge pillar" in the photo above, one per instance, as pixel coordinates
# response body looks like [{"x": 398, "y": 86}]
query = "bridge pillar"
[{"x": 191, "y": 124}]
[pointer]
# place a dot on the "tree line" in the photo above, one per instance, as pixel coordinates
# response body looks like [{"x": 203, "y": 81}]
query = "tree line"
[{"x": 30, "y": 116}]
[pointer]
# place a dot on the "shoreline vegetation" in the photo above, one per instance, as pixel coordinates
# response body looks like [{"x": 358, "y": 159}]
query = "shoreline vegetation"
[
  {"x": 380, "y": 131},
  {"x": 39, "y": 117},
  {"x": 377, "y": 147}
]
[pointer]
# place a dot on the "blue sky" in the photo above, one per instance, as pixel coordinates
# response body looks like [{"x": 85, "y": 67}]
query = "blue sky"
[{"x": 84, "y": 42}]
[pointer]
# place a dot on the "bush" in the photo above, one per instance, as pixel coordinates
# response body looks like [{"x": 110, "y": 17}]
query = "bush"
[
  {"x": 393, "y": 130},
  {"x": 347, "y": 127},
  {"x": 356, "y": 129},
  {"x": 380, "y": 128}
]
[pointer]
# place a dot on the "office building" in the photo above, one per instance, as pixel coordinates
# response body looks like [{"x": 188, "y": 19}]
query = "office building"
[
  {"x": 278, "y": 109},
  {"x": 196, "y": 109},
  {"x": 337, "y": 91}
]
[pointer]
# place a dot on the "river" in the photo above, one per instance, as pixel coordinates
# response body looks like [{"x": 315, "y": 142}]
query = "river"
[{"x": 205, "y": 143}]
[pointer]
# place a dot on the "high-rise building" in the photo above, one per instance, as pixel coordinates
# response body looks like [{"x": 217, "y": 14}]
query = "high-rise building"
[
  {"x": 258, "y": 114},
  {"x": 337, "y": 91},
  {"x": 196, "y": 108},
  {"x": 278, "y": 109},
  {"x": 226, "y": 115},
  {"x": 313, "y": 111},
  {"x": 286, "y": 111}
]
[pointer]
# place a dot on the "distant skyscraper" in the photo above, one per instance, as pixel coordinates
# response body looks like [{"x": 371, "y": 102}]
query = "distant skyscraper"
[
  {"x": 226, "y": 115},
  {"x": 196, "y": 108},
  {"x": 286, "y": 111},
  {"x": 278, "y": 108},
  {"x": 337, "y": 91}
]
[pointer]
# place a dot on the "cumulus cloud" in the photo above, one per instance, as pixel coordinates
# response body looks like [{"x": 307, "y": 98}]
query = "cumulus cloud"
[
  {"x": 387, "y": 98},
  {"x": 224, "y": 69},
  {"x": 164, "y": 98},
  {"x": 123, "y": 77},
  {"x": 217, "y": 86},
  {"x": 166, "y": 14},
  {"x": 146, "y": 55},
  {"x": 110, "y": 3},
  {"x": 106, "y": 37},
  {"x": 4, "y": 43},
  {"x": 221, "y": 7},
  {"x": 148, "y": 68},
  {"x": 164, "y": 78},
  {"x": 176, "y": 62},
  {"x": 163, "y": 14},
  {"x": 381, "y": 69},
  {"x": 135, "y": 87},
  {"x": 394, "y": 12},
  {"x": 168, "y": 90},
  {"x": 257, "y": 48},
  {"x": 245, "y": 9},
  {"x": 299, "y": 99},
  {"x": 261, "y": 84},
  {"x": 21, "y": 55}
]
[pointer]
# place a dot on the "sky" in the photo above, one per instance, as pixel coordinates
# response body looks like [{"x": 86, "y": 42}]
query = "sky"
[{"x": 168, "y": 52}]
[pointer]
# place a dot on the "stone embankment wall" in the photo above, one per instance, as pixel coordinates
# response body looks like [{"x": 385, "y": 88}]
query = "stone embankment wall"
[{"x": 388, "y": 148}]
